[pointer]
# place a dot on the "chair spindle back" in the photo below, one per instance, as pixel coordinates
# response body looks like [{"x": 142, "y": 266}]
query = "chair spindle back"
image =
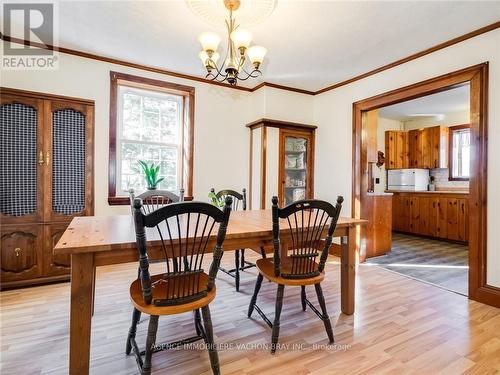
[
  {"x": 307, "y": 221},
  {"x": 239, "y": 199},
  {"x": 152, "y": 200},
  {"x": 185, "y": 231}
]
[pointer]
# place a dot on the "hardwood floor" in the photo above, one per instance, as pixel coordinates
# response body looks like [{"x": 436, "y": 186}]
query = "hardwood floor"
[{"x": 400, "y": 326}]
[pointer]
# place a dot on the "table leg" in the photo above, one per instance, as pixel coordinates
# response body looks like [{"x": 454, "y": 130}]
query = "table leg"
[
  {"x": 82, "y": 275},
  {"x": 348, "y": 271}
]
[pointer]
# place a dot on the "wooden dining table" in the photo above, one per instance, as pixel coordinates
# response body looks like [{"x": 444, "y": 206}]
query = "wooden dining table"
[{"x": 94, "y": 241}]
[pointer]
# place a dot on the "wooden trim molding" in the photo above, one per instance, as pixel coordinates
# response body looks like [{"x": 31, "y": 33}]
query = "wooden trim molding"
[
  {"x": 477, "y": 77},
  {"x": 404, "y": 60},
  {"x": 450, "y": 152},
  {"x": 279, "y": 124},
  {"x": 187, "y": 92}
]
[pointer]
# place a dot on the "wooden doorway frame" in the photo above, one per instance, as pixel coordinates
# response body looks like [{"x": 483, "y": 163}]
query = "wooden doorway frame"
[{"x": 477, "y": 77}]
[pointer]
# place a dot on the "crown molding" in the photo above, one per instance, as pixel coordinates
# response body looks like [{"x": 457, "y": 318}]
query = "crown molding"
[{"x": 129, "y": 64}]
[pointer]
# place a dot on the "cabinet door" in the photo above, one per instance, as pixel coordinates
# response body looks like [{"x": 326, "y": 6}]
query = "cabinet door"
[
  {"x": 396, "y": 212},
  {"x": 296, "y": 166},
  {"x": 21, "y": 175},
  {"x": 424, "y": 209},
  {"x": 452, "y": 217},
  {"x": 68, "y": 160},
  {"x": 21, "y": 247},
  {"x": 433, "y": 229},
  {"x": 415, "y": 144},
  {"x": 463, "y": 219},
  {"x": 414, "y": 214},
  {"x": 390, "y": 149},
  {"x": 442, "y": 214},
  {"x": 402, "y": 146},
  {"x": 55, "y": 264},
  {"x": 405, "y": 214},
  {"x": 426, "y": 144}
]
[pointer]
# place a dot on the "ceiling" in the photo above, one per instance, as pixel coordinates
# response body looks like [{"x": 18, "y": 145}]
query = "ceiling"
[
  {"x": 311, "y": 44},
  {"x": 453, "y": 100}
]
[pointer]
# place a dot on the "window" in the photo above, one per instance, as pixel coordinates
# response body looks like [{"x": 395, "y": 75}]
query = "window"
[
  {"x": 459, "y": 152},
  {"x": 150, "y": 120}
]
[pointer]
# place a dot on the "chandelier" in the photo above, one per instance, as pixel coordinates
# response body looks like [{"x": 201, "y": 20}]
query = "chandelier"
[{"x": 234, "y": 67}]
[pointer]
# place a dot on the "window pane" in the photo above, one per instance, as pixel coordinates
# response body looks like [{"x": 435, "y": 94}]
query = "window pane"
[
  {"x": 461, "y": 153},
  {"x": 151, "y": 131},
  {"x": 131, "y": 172}
]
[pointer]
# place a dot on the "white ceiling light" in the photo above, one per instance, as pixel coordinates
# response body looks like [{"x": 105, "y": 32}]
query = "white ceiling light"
[{"x": 238, "y": 50}]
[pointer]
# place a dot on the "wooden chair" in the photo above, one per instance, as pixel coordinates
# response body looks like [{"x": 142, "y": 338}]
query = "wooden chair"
[
  {"x": 240, "y": 264},
  {"x": 152, "y": 200},
  {"x": 185, "y": 231},
  {"x": 155, "y": 199},
  {"x": 306, "y": 220}
]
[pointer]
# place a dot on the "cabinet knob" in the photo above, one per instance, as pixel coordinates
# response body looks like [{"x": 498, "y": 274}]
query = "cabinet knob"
[
  {"x": 47, "y": 158},
  {"x": 17, "y": 250},
  {"x": 40, "y": 158}
]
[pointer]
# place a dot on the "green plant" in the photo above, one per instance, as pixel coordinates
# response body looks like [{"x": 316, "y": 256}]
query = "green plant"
[
  {"x": 151, "y": 174},
  {"x": 219, "y": 202}
]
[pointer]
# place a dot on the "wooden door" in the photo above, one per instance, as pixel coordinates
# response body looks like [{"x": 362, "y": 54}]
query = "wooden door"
[
  {"x": 402, "y": 160},
  {"x": 296, "y": 169},
  {"x": 54, "y": 264},
  {"x": 68, "y": 160},
  {"x": 415, "y": 145},
  {"x": 426, "y": 136},
  {"x": 442, "y": 217},
  {"x": 390, "y": 149},
  {"x": 463, "y": 219},
  {"x": 21, "y": 247},
  {"x": 424, "y": 217},
  {"x": 21, "y": 168},
  {"x": 452, "y": 218},
  {"x": 414, "y": 214},
  {"x": 433, "y": 216},
  {"x": 396, "y": 212}
]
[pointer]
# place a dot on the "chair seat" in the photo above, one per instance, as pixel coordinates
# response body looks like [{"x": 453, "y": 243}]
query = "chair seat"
[
  {"x": 160, "y": 291},
  {"x": 266, "y": 268}
]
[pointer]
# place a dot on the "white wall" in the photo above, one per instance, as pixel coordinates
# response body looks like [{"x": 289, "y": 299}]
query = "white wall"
[
  {"x": 448, "y": 119},
  {"x": 333, "y": 115},
  {"x": 220, "y": 118}
]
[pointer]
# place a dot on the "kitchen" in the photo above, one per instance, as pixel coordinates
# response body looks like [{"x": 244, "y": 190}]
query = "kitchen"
[{"x": 423, "y": 186}]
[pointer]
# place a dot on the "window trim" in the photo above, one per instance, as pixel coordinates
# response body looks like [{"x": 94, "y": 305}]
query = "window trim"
[
  {"x": 452, "y": 130},
  {"x": 187, "y": 92}
]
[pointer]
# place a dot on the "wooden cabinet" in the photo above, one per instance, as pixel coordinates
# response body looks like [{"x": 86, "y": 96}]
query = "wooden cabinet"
[
  {"x": 378, "y": 231},
  {"x": 47, "y": 169},
  {"x": 440, "y": 215},
  {"x": 281, "y": 162},
  {"x": 371, "y": 126},
  {"x": 396, "y": 149},
  {"x": 419, "y": 148}
]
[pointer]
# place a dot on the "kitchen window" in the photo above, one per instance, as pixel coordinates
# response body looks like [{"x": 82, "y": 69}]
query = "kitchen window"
[
  {"x": 152, "y": 121},
  {"x": 459, "y": 153}
]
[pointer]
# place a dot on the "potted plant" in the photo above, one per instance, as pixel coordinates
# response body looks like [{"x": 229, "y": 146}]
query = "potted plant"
[
  {"x": 218, "y": 202},
  {"x": 151, "y": 174}
]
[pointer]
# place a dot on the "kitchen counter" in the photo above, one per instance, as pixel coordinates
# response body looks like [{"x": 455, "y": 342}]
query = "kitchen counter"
[
  {"x": 377, "y": 194},
  {"x": 460, "y": 192}
]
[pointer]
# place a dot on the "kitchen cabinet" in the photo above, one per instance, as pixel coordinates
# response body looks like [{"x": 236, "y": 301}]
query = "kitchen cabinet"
[
  {"x": 377, "y": 209},
  {"x": 433, "y": 214},
  {"x": 419, "y": 148},
  {"x": 396, "y": 149},
  {"x": 281, "y": 162},
  {"x": 47, "y": 166}
]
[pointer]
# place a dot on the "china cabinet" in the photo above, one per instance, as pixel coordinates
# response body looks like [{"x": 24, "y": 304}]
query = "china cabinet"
[
  {"x": 281, "y": 162},
  {"x": 46, "y": 173}
]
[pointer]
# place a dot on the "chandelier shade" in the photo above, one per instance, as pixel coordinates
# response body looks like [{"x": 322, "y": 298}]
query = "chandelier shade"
[{"x": 234, "y": 66}]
